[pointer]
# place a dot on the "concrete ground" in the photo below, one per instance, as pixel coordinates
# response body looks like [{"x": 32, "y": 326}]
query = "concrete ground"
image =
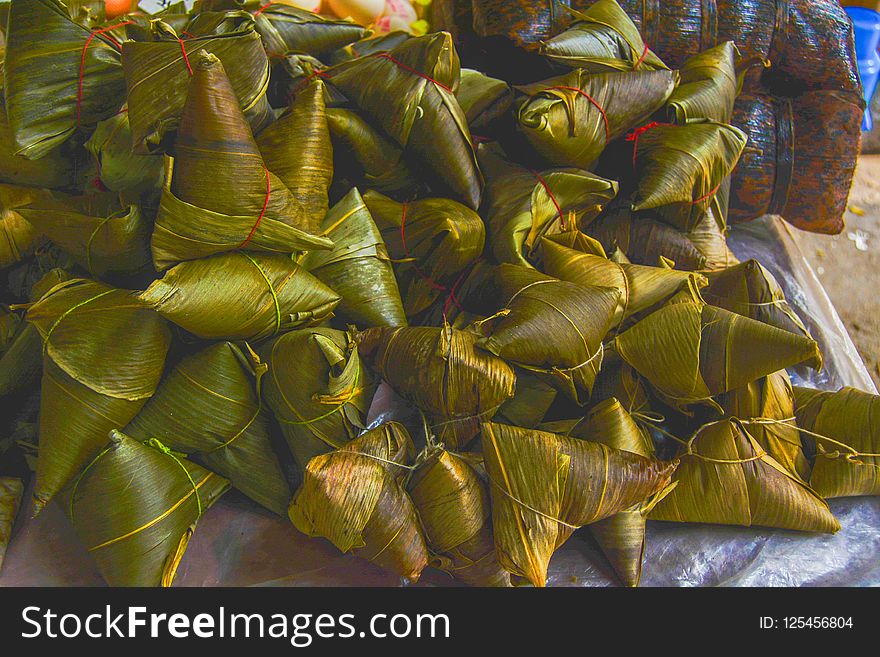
[{"x": 849, "y": 264}]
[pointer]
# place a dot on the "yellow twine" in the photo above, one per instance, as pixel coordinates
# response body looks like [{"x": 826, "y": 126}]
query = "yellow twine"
[
  {"x": 83, "y": 474},
  {"x": 89, "y": 243},
  {"x": 534, "y": 510},
  {"x": 155, "y": 443},
  {"x": 271, "y": 291},
  {"x": 354, "y": 391},
  {"x": 70, "y": 310}
]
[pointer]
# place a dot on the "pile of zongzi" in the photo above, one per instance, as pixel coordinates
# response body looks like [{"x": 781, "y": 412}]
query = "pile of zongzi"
[{"x": 232, "y": 228}]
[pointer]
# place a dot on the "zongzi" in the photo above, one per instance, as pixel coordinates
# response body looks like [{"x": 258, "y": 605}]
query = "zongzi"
[
  {"x": 441, "y": 371},
  {"x": 353, "y": 498}
]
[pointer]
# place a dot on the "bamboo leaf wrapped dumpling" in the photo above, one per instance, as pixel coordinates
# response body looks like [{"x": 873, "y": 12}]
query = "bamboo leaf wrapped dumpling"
[
  {"x": 424, "y": 118},
  {"x": 48, "y": 54},
  {"x": 297, "y": 149},
  {"x": 726, "y": 478},
  {"x": 286, "y": 28},
  {"x": 353, "y": 498},
  {"x": 545, "y": 486},
  {"x": 640, "y": 287},
  {"x": 119, "y": 169},
  {"x": 766, "y": 408},
  {"x": 451, "y": 498},
  {"x": 690, "y": 351},
  {"x": 109, "y": 239},
  {"x": 522, "y": 205},
  {"x": 681, "y": 169},
  {"x": 601, "y": 38},
  {"x": 551, "y": 327},
  {"x": 158, "y": 72},
  {"x": 135, "y": 507},
  {"x": 848, "y": 457},
  {"x": 318, "y": 389},
  {"x": 750, "y": 290},
  {"x": 240, "y": 296},
  {"x": 209, "y": 408},
  {"x": 621, "y": 536},
  {"x": 432, "y": 241},
  {"x": 219, "y": 194},
  {"x": 709, "y": 86},
  {"x": 358, "y": 267},
  {"x": 569, "y": 120},
  {"x": 440, "y": 370},
  {"x": 103, "y": 357}
]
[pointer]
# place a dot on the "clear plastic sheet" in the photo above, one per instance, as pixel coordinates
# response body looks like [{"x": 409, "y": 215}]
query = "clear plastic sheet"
[{"x": 239, "y": 544}]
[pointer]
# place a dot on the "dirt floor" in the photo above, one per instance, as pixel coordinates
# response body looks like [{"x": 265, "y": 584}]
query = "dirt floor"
[{"x": 849, "y": 264}]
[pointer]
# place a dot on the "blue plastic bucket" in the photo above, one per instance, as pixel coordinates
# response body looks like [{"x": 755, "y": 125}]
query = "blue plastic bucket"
[{"x": 866, "y": 24}]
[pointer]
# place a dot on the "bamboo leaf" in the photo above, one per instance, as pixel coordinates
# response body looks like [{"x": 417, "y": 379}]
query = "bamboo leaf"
[
  {"x": 553, "y": 328},
  {"x": 237, "y": 296},
  {"x": 452, "y": 502},
  {"x": 569, "y": 120},
  {"x": 847, "y": 461},
  {"x": 432, "y": 242},
  {"x": 602, "y": 38},
  {"x": 11, "y": 492},
  {"x": 766, "y": 408},
  {"x": 680, "y": 169},
  {"x": 368, "y": 157},
  {"x": 318, "y": 389},
  {"x": 640, "y": 287},
  {"x": 750, "y": 290},
  {"x": 424, "y": 119},
  {"x": 353, "y": 498},
  {"x": 208, "y": 407},
  {"x": 48, "y": 54},
  {"x": 106, "y": 238},
  {"x": 358, "y": 267},
  {"x": 621, "y": 536},
  {"x": 523, "y": 206},
  {"x": 441, "y": 371},
  {"x": 727, "y": 478},
  {"x": 298, "y": 150},
  {"x": 119, "y": 169},
  {"x": 157, "y": 75},
  {"x": 545, "y": 486},
  {"x": 691, "y": 351},
  {"x": 135, "y": 508},
  {"x": 709, "y": 86}
]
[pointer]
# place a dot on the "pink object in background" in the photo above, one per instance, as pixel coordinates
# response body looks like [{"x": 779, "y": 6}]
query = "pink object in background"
[{"x": 398, "y": 15}]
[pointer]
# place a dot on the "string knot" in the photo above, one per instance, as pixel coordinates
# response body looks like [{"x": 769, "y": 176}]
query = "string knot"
[
  {"x": 638, "y": 132},
  {"x": 155, "y": 443}
]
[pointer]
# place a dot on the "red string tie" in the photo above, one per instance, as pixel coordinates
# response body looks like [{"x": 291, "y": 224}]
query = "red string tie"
[
  {"x": 185, "y": 56},
  {"x": 264, "y": 8},
  {"x": 302, "y": 85},
  {"x": 385, "y": 55},
  {"x": 552, "y": 198},
  {"x": 430, "y": 281},
  {"x": 638, "y": 132},
  {"x": 262, "y": 212},
  {"x": 642, "y": 58},
  {"x": 82, "y": 61},
  {"x": 707, "y": 196}
]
